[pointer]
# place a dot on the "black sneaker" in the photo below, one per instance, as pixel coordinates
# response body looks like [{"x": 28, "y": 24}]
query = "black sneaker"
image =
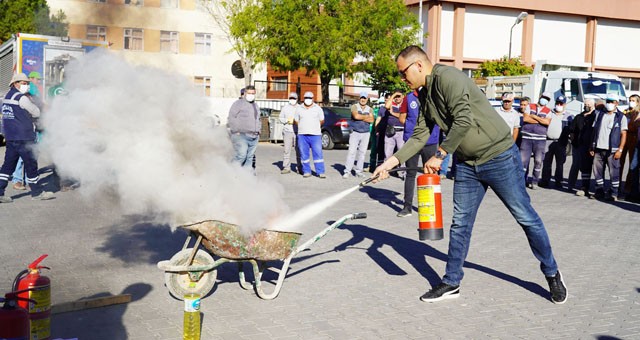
[
  {"x": 441, "y": 292},
  {"x": 599, "y": 195},
  {"x": 557, "y": 288},
  {"x": 405, "y": 212}
]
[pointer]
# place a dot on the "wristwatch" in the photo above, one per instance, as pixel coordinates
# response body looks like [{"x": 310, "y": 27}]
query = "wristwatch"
[{"x": 440, "y": 155}]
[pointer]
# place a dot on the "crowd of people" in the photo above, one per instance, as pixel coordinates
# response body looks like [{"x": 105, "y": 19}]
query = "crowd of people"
[{"x": 600, "y": 138}]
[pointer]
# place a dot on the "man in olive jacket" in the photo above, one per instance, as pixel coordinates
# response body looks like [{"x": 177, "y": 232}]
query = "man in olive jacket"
[{"x": 487, "y": 158}]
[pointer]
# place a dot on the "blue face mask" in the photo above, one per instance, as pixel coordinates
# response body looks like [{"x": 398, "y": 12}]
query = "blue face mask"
[{"x": 543, "y": 101}]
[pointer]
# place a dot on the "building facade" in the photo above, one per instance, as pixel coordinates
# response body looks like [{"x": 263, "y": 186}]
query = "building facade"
[
  {"x": 175, "y": 35},
  {"x": 464, "y": 33}
]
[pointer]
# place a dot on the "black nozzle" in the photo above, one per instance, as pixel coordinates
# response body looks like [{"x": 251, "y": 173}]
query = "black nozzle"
[
  {"x": 359, "y": 215},
  {"x": 367, "y": 181}
]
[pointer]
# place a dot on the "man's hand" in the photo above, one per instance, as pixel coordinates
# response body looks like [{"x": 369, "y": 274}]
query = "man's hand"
[
  {"x": 618, "y": 154},
  {"x": 433, "y": 165},
  {"x": 382, "y": 171}
]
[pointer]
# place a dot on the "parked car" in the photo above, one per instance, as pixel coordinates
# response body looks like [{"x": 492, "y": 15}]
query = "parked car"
[{"x": 335, "y": 129}]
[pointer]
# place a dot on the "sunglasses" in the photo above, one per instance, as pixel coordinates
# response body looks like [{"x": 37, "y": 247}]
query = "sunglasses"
[
  {"x": 403, "y": 73},
  {"x": 610, "y": 101},
  {"x": 506, "y": 101}
]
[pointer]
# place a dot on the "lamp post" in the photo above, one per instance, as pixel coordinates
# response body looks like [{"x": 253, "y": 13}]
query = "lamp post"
[{"x": 520, "y": 17}]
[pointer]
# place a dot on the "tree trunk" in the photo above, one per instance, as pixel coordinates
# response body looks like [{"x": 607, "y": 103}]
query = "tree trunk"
[
  {"x": 325, "y": 79},
  {"x": 247, "y": 68}
]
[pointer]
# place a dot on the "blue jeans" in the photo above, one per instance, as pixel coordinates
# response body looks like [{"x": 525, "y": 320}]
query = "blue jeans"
[
  {"x": 244, "y": 146},
  {"x": 504, "y": 175},
  {"x": 18, "y": 175},
  {"x": 315, "y": 143}
]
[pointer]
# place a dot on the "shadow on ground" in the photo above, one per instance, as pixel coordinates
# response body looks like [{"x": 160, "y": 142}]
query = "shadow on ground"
[
  {"x": 414, "y": 252},
  {"x": 97, "y": 323}
]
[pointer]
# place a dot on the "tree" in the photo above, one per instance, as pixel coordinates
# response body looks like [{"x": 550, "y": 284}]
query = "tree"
[
  {"x": 223, "y": 13},
  {"x": 502, "y": 67},
  {"x": 326, "y": 36},
  {"x": 29, "y": 16}
]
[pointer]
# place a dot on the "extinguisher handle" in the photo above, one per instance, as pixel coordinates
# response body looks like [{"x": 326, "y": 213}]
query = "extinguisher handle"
[
  {"x": 34, "y": 264},
  {"x": 43, "y": 267},
  {"x": 14, "y": 296}
]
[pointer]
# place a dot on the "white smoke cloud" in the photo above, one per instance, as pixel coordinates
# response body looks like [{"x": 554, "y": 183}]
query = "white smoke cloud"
[{"x": 145, "y": 135}]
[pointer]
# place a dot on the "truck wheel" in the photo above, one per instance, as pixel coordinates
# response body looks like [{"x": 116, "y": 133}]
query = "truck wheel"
[
  {"x": 179, "y": 283},
  {"x": 327, "y": 142}
]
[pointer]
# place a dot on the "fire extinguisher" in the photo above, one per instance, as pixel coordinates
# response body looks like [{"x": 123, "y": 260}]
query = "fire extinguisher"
[
  {"x": 37, "y": 289},
  {"x": 14, "y": 320},
  {"x": 429, "y": 207}
]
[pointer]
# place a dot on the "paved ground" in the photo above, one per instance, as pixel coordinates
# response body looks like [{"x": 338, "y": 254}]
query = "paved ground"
[{"x": 362, "y": 281}]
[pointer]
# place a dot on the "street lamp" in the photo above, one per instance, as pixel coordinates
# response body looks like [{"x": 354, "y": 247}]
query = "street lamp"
[{"x": 520, "y": 17}]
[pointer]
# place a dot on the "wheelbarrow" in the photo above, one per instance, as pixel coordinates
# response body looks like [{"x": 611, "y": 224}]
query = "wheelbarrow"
[{"x": 193, "y": 270}]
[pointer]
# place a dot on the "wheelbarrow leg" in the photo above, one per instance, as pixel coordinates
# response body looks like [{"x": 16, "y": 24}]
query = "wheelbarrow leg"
[
  {"x": 243, "y": 283},
  {"x": 282, "y": 273}
]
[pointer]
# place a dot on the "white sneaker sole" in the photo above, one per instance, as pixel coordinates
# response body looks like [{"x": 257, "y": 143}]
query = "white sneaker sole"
[{"x": 454, "y": 294}]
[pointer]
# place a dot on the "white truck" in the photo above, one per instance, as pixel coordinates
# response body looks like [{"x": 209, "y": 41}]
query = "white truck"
[{"x": 572, "y": 80}]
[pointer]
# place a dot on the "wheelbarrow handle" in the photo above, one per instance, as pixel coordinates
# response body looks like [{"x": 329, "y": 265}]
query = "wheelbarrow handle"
[{"x": 327, "y": 230}]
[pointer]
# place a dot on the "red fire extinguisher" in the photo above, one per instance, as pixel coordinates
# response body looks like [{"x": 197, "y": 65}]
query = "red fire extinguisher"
[
  {"x": 429, "y": 207},
  {"x": 38, "y": 290},
  {"x": 14, "y": 320}
]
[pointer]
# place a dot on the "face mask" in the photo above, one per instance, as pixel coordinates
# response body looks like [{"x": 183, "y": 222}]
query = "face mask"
[
  {"x": 610, "y": 106},
  {"x": 293, "y": 101},
  {"x": 250, "y": 97},
  {"x": 588, "y": 108},
  {"x": 308, "y": 101},
  {"x": 543, "y": 101},
  {"x": 559, "y": 108},
  {"x": 24, "y": 88},
  {"x": 633, "y": 105}
]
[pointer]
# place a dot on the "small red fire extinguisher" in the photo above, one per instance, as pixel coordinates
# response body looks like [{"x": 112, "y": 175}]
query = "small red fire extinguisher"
[
  {"x": 429, "y": 207},
  {"x": 14, "y": 320},
  {"x": 38, "y": 290}
]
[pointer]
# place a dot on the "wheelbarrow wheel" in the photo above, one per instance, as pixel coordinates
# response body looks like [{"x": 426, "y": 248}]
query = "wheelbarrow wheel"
[{"x": 180, "y": 283}]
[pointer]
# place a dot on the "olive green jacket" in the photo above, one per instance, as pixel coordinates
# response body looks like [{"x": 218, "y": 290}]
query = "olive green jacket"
[{"x": 475, "y": 131}]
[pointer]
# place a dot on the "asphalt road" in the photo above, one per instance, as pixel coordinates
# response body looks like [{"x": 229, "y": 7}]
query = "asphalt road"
[{"x": 362, "y": 281}]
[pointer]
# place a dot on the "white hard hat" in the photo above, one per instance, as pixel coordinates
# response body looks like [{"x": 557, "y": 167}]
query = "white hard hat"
[{"x": 19, "y": 77}]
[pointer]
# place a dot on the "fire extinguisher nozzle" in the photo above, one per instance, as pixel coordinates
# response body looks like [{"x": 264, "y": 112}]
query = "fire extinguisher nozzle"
[{"x": 367, "y": 181}]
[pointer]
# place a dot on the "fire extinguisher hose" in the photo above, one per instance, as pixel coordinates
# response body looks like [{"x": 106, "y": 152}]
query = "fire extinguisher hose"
[{"x": 20, "y": 275}]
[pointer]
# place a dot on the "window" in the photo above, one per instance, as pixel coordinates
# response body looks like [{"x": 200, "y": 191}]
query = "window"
[
  {"x": 169, "y": 3},
  {"x": 169, "y": 42},
  {"x": 97, "y": 33},
  {"x": 631, "y": 84},
  {"x": 203, "y": 43},
  {"x": 133, "y": 39},
  {"x": 279, "y": 84},
  {"x": 134, "y": 2},
  {"x": 203, "y": 85}
]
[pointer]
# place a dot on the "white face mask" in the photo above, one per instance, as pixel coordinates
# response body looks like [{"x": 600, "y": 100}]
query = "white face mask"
[
  {"x": 24, "y": 88},
  {"x": 250, "y": 97},
  {"x": 308, "y": 101},
  {"x": 559, "y": 108},
  {"x": 293, "y": 101},
  {"x": 543, "y": 101},
  {"x": 633, "y": 105},
  {"x": 610, "y": 106}
]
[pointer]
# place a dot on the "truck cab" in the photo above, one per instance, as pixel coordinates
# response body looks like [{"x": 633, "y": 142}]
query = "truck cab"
[{"x": 574, "y": 81}]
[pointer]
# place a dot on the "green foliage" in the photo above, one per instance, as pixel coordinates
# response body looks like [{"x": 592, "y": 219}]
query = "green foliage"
[
  {"x": 29, "y": 16},
  {"x": 326, "y": 36},
  {"x": 54, "y": 24},
  {"x": 502, "y": 67}
]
